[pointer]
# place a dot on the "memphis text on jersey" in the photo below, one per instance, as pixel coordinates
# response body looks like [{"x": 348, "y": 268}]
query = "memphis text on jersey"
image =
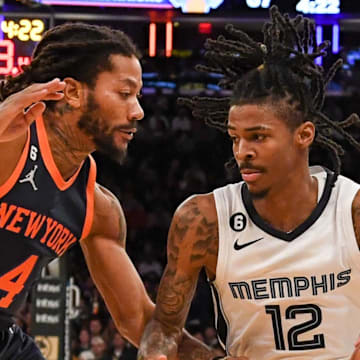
[
  {"x": 31, "y": 225},
  {"x": 281, "y": 287}
]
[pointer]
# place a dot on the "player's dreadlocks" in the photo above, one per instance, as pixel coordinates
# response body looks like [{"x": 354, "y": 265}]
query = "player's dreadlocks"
[
  {"x": 74, "y": 50},
  {"x": 279, "y": 70}
]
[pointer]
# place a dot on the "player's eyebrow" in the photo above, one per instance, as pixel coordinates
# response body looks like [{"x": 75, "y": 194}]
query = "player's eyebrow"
[
  {"x": 254, "y": 128},
  {"x": 257, "y": 128},
  {"x": 130, "y": 82}
]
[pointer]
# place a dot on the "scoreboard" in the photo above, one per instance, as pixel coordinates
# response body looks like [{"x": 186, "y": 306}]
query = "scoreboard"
[
  {"x": 20, "y": 32},
  {"x": 18, "y": 39}
]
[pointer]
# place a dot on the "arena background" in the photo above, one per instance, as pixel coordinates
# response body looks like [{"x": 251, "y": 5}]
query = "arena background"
[{"x": 172, "y": 156}]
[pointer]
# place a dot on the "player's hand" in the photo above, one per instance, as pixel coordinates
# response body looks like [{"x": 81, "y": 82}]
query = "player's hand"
[
  {"x": 154, "y": 357},
  {"x": 20, "y": 109},
  {"x": 163, "y": 357},
  {"x": 356, "y": 354}
]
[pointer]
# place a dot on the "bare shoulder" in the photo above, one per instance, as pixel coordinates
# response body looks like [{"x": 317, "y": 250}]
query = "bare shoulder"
[
  {"x": 197, "y": 208},
  {"x": 194, "y": 231},
  {"x": 109, "y": 219},
  {"x": 355, "y": 210}
]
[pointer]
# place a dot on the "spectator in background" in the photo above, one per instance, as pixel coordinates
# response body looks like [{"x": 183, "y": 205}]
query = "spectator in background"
[
  {"x": 158, "y": 123},
  {"x": 149, "y": 264},
  {"x": 84, "y": 341},
  {"x": 210, "y": 337},
  {"x": 96, "y": 327},
  {"x": 121, "y": 349},
  {"x": 181, "y": 121},
  {"x": 97, "y": 351}
]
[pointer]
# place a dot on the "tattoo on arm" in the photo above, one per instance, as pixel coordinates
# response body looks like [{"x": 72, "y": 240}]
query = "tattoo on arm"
[{"x": 191, "y": 241}]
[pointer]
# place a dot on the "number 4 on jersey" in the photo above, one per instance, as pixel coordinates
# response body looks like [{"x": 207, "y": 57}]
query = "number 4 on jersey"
[{"x": 13, "y": 281}]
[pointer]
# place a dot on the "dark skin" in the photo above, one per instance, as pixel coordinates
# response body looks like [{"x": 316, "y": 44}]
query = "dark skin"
[
  {"x": 115, "y": 104},
  {"x": 265, "y": 149}
]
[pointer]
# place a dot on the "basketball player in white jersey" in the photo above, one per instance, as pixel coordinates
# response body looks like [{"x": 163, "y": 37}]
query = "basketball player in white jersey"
[{"x": 280, "y": 248}]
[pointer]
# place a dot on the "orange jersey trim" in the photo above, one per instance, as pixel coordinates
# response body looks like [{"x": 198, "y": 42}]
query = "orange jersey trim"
[
  {"x": 10, "y": 182},
  {"x": 90, "y": 190},
  {"x": 49, "y": 160}
]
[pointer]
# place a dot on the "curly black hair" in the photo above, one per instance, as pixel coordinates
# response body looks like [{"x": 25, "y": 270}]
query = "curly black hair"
[
  {"x": 279, "y": 70},
  {"x": 76, "y": 50}
]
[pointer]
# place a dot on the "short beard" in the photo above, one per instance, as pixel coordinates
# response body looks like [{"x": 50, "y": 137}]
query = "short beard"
[
  {"x": 259, "y": 195},
  {"x": 102, "y": 135}
]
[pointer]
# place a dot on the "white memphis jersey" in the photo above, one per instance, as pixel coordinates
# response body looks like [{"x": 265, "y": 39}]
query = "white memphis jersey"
[{"x": 288, "y": 295}]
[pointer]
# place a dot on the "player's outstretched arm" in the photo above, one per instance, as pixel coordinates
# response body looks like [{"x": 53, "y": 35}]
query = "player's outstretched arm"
[
  {"x": 117, "y": 279},
  {"x": 191, "y": 241},
  {"x": 111, "y": 269},
  {"x": 20, "y": 109}
]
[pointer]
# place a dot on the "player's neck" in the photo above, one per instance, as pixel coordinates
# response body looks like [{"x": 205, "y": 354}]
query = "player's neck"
[
  {"x": 68, "y": 146},
  {"x": 290, "y": 204}
]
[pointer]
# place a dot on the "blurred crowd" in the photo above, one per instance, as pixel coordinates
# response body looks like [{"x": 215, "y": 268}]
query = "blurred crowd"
[{"x": 172, "y": 157}]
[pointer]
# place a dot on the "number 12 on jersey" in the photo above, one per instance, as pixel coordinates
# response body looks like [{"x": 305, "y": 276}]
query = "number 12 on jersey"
[{"x": 291, "y": 312}]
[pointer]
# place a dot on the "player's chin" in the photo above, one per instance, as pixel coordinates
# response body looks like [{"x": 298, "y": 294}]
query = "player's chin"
[
  {"x": 120, "y": 155},
  {"x": 257, "y": 192},
  {"x": 115, "y": 153}
]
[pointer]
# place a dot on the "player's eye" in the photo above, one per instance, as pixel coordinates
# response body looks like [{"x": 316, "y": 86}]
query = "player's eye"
[{"x": 125, "y": 95}]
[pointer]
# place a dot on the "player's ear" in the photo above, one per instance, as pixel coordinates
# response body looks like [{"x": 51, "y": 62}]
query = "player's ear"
[
  {"x": 73, "y": 92},
  {"x": 305, "y": 134}
]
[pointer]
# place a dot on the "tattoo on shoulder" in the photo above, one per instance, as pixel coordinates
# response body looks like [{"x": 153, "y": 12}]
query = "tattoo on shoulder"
[{"x": 196, "y": 223}]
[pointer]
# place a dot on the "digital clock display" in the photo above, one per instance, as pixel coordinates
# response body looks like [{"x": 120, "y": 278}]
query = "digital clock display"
[
  {"x": 318, "y": 6},
  {"x": 24, "y": 30},
  {"x": 18, "y": 37}
]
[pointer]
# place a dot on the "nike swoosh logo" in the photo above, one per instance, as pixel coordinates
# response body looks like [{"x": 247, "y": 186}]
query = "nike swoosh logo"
[{"x": 239, "y": 247}]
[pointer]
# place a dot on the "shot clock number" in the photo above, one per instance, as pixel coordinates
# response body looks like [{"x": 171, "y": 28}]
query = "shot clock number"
[
  {"x": 7, "y": 58},
  {"x": 25, "y": 30}
]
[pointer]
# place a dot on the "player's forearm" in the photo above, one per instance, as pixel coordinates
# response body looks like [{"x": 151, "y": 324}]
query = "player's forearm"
[
  {"x": 125, "y": 296},
  {"x": 159, "y": 340},
  {"x": 132, "y": 321}
]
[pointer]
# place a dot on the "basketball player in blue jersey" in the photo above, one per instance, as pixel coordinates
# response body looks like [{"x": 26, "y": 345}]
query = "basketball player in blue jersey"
[
  {"x": 280, "y": 248},
  {"x": 49, "y": 199}
]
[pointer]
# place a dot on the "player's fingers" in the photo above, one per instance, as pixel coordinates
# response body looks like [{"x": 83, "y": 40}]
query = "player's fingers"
[
  {"x": 52, "y": 86},
  {"x": 48, "y": 91},
  {"x": 152, "y": 357},
  {"x": 55, "y": 86},
  {"x": 22, "y": 101},
  {"x": 34, "y": 112},
  {"x": 53, "y": 96}
]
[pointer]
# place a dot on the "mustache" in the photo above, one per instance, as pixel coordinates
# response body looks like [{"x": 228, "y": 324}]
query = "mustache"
[
  {"x": 247, "y": 165},
  {"x": 124, "y": 127}
]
